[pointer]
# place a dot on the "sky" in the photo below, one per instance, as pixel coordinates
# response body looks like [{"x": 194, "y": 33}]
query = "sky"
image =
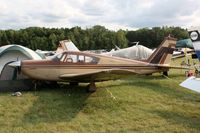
[{"x": 113, "y": 14}]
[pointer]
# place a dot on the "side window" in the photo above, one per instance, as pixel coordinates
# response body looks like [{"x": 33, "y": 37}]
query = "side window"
[
  {"x": 71, "y": 58},
  {"x": 92, "y": 60},
  {"x": 88, "y": 59},
  {"x": 81, "y": 58}
]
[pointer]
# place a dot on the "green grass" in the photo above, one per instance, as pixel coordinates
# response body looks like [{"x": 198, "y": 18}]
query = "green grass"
[{"x": 138, "y": 103}]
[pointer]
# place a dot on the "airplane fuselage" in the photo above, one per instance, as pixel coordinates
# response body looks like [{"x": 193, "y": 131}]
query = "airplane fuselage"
[
  {"x": 53, "y": 70},
  {"x": 87, "y": 67}
]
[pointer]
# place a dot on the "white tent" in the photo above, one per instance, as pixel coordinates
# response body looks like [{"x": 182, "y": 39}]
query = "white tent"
[{"x": 11, "y": 53}]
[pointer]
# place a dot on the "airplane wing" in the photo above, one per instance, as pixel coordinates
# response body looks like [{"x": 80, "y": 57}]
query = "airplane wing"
[
  {"x": 108, "y": 74},
  {"x": 191, "y": 83}
]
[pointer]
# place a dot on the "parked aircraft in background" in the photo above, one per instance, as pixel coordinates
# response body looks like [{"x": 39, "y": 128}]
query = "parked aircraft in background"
[
  {"x": 193, "y": 82},
  {"x": 75, "y": 67},
  {"x": 136, "y": 52},
  {"x": 194, "y": 34}
]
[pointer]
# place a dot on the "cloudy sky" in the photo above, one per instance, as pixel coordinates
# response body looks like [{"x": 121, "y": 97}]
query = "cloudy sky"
[{"x": 113, "y": 14}]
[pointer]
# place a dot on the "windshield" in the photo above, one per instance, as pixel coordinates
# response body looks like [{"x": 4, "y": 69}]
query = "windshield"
[{"x": 57, "y": 57}]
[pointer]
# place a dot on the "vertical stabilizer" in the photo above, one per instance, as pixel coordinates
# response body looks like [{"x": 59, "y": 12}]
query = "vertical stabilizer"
[{"x": 163, "y": 54}]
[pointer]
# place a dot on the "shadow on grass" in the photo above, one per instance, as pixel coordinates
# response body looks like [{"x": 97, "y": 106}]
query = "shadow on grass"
[
  {"x": 150, "y": 82},
  {"x": 57, "y": 105},
  {"x": 176, "y": 118},
  {"x": 155, "y": 87},
  {"x": 154, "y": 77},
  {"x": 161, "y": 87},
  {"x": 63, "y": 104}
]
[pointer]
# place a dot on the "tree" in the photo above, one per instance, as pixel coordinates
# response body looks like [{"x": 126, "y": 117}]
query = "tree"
[
  {"x": 53, "y": 41},
  {"x": 4, "y": 39},
  {"x": 121, "y": 40},
  {"x": 97, "y": 37}
]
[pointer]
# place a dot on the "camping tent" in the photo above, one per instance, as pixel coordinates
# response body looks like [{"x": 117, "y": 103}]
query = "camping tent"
[
  {"x": 10, "y": 79},
  {"x": 11, "y": 53}
]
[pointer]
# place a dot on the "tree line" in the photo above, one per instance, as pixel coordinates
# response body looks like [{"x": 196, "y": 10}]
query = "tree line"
[{"x": 97, "y": 37}]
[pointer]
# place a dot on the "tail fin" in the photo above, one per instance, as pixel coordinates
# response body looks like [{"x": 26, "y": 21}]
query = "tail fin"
[
  {"x": 163, "y": 54},
  {"x": 195, "y": 37}
]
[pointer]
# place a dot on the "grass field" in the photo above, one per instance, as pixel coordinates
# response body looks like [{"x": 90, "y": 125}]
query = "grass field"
[{"x": 136, "y": 104}]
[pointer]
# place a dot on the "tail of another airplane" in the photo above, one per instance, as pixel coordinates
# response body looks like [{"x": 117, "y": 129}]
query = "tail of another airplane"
[
  {"x": 195, "y": 37},
  {"x": 163, "y": 54}
]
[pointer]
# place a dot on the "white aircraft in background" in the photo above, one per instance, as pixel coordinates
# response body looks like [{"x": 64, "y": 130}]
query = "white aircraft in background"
[
  {"x": 193, "y": 83},
  {"x": 136, "y": 52}
]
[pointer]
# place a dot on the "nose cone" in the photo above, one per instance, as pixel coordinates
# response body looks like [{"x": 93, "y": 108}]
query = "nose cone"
[{"x": 15, "y": 64}]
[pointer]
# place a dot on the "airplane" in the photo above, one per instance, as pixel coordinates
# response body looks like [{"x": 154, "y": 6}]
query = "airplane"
[
  {"x": 194, "y": 34},
  {"x": 76, "y": 66},
  {"x": 193, "y": 82}
]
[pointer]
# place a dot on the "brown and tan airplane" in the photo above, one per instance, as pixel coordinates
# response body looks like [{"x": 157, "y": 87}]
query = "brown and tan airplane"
[{"x": 78, "y": 67}]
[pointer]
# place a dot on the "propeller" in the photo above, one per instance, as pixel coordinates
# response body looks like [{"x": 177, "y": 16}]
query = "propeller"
[{"x": 17, "y": 65}]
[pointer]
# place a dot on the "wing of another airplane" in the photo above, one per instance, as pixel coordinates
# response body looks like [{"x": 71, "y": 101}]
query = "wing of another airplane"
[
  {"x": 191, "y": 83},
  {"x": 109, "y": 74}
]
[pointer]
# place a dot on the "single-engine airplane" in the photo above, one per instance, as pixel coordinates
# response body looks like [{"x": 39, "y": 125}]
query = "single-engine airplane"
[{"x": 75, "y": 67}]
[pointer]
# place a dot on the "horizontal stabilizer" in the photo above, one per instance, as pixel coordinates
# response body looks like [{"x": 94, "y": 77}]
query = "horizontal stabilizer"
[
  {"x": 163, "y": 54},
  {"x": 174, "y": 67}
]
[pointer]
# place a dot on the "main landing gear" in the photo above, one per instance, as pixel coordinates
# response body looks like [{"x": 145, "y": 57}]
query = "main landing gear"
[
  {"x": 165, "y": 73},
  {"x": 91, "y": 87}
]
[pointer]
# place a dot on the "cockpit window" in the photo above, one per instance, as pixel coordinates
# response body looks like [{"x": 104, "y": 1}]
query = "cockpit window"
[
  {"x": 59, "y": 56},
  {"x": 76, "y": 58}
]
